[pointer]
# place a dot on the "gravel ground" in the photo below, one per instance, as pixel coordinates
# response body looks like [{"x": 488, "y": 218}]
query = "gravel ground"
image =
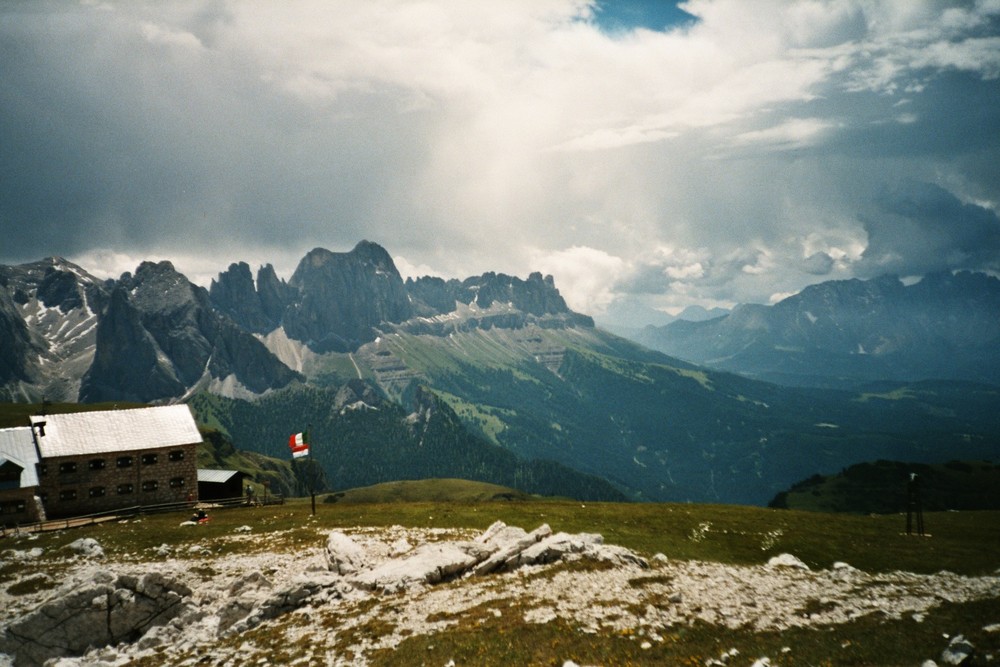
[{"x": 627, "y": 598}]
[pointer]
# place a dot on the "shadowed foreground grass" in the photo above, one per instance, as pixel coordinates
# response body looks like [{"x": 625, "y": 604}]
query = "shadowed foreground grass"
[{"x": 962, "y": 542}]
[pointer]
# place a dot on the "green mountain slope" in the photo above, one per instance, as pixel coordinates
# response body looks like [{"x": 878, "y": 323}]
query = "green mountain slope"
[
  {"x": 659, "y": 428},
  {"x": 360, "y": 439}
]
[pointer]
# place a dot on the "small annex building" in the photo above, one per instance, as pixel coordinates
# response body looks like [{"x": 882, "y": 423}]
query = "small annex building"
[
  {"x": 220, "y": 484},
  {"x": 19, "y": 499},
  {"x": 91, "y": 462}
]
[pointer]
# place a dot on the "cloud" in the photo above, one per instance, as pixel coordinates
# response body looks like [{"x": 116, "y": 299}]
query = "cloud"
[
  {"x": 924, "y": 228},
  {"x": 738, "y": 154},
  {"x": 818, "y": 264},
  {"x": 587, "y": 276}
]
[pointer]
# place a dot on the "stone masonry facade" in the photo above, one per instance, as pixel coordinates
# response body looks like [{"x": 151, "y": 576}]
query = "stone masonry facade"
[{"x": 93, "y": 483}]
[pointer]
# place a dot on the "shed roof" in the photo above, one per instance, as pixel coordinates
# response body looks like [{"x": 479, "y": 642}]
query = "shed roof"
[
  {"x": 109, "y": 431},
  {"x": 17, "y": 447},
  {"x": 216, "y": 476}
]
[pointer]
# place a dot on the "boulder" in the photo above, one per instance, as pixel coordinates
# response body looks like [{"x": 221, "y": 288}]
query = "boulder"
[
  {"x": 87, "y": 547},
  {"x": 427, "y": 564},
  {"x": 102, "y": 612},
  {"x": 507, "y": 543},
  {"x": 787, "y": 560},
  {"x": 958, "y": 652},
  {"x": 344, "y": 555}
]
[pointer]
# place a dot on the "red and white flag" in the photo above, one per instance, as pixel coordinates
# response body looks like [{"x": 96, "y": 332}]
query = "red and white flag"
[{"x": 299, "y": 444}]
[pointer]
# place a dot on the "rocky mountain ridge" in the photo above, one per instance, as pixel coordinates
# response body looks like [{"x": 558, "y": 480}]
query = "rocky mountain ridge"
[
  {"x": 153, "y": 335},
  {"x": 847, "y": 333}
]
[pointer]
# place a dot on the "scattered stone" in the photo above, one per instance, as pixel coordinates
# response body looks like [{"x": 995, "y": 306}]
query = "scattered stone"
[
  {"x": 252, "y": 581},
  {"x": 787, "y": 560},
  {"x": 87, "y": 547},
  {"x": 242, "y": 529},
  {"x": 400, "y": 547},
  {"x": 958, "y": 651}
]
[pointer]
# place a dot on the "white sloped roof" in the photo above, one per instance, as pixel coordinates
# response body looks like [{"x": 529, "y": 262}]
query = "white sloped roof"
[
  {"x": 215, "y": 476},
  {"x": 115, "y": 431},
  {"x": 16, "y": 446}
]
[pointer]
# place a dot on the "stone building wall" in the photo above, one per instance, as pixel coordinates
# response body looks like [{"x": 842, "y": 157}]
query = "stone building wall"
[{"x": 92, "y": 483}]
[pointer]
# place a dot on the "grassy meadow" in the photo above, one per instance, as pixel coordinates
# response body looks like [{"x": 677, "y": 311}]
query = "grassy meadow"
[{"x": 961, "y": 542}]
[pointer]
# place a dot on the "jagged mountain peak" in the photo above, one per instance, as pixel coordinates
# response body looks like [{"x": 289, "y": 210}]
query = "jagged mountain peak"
[{"x": 365, "y": 252}]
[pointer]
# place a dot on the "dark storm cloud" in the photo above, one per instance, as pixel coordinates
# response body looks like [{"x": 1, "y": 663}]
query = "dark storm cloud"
[
  {"x": 818, "y": 264},
  {"x": 730, "y": 158},
  {"x": 147, "y": 139},
  {"x": 921, "y": 227}
]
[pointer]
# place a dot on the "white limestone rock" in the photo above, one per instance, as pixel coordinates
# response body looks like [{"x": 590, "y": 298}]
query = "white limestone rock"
[
  {"x": 343, "y": 555},
  {"x": 87, "y": 547}
]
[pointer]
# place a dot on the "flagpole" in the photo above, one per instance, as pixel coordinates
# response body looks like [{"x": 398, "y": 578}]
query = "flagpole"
[
  {"x": 299, "y": 444},
  {"x": 312, "y": 477}
]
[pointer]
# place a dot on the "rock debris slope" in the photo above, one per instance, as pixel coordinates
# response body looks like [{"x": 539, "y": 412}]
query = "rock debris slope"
[{"x": 320, "y": 605}]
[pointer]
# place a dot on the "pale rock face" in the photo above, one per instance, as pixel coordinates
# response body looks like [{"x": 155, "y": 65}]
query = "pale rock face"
[
  {"x": 343, "y": 555},
  {"x": 117, "y": 612},
  {"x": 105, "y": 611}
]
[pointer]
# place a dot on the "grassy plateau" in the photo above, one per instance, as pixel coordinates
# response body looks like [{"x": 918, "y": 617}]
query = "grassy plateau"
[{"x": 966, "y": 543}]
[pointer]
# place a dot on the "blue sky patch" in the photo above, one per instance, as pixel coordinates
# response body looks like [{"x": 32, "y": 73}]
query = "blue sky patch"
[{"x": 618, "y": 16}]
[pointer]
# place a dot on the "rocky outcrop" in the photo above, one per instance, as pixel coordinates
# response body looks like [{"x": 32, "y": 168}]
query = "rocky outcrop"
[
  {"x": 259, "y": 307},
  {"x": 103, "y": 612},
  {"x": 500, "y": 548},
  {"x": 48, "y": 313},
  {"x": 536, "y": 296},
  {"x": 18, "y": 349},
  {"x": 343, "y": 297},
  {"x": 160, "y": 337}
]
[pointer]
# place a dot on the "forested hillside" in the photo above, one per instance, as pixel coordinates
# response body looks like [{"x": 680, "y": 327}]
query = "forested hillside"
[{"x": 359, "y": 443}]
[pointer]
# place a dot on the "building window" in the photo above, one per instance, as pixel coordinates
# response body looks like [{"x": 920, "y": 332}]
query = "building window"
[
  {"x": 96, "y": 491},
  {"x": 148, "y": 459},
  {"x": 176, "y": 455},
  {"x": 43, "y": 469},
  {"x": 13, "y": 507},
  {"x": 67, "y": 467},
  {"x": 97, "y": 464},
  {"x": 150, "y": 485},
  {"x": 124, "y": 461},
  {"x": 177, "y": 483},
  {"x": 125, "y": 489},
  {"x": 68, "y": 494}
]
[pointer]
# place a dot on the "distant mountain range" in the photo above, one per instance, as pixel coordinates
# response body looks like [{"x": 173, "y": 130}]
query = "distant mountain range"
[
  {"x": 491, "y": 378},
  {"x": 851, "y": 332}
]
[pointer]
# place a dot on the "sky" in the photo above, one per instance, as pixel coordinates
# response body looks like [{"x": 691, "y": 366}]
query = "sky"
[{"x": 649, "y": 155}]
